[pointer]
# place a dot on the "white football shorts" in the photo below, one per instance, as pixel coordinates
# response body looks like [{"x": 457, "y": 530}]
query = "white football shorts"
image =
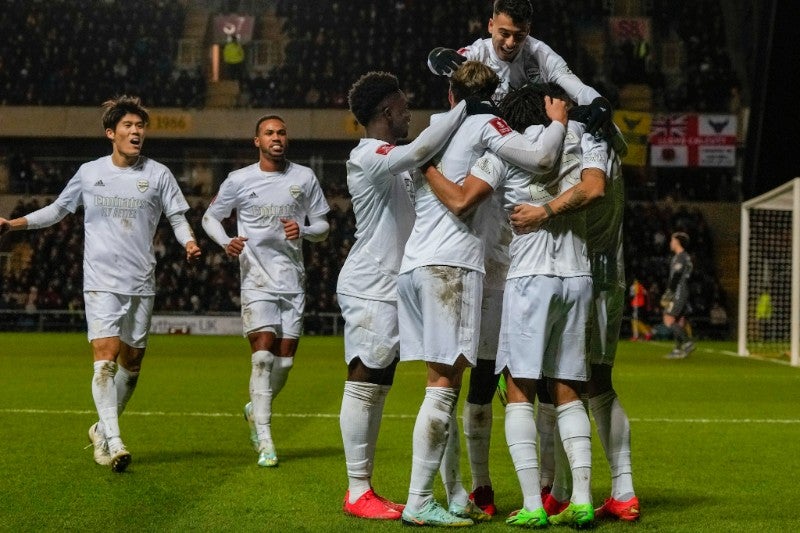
[
  {"x": 281, "y": 314},
  {"x": 543, "y": 329},
  {"x": 491, "y": 313},
  {"x": 439, "y": 314},
  {"x": 118, "y": 315},
  {"x": 605, "y": 323},
  {"x": 370, "y": 331}
]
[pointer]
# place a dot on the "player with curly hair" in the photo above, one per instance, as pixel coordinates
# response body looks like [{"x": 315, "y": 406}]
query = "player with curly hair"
[{"x": 381, "y": 189}]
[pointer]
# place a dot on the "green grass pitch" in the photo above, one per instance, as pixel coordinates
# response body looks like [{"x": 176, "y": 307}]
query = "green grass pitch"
[{"x": 716, "y": 441}]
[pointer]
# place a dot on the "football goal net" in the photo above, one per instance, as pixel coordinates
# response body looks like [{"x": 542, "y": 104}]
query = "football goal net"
[{"x": 769, "y": 275}]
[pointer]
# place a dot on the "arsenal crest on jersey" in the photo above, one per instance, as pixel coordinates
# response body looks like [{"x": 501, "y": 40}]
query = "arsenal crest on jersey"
[
  {"x": 142, "y": 185},
  {"x": 295, "y": 191}
]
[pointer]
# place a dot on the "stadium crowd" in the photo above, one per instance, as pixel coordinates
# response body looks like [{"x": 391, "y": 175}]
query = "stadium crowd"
[
  {"x": 55, "y": 53},
  {"x": 44, "y": 267}
]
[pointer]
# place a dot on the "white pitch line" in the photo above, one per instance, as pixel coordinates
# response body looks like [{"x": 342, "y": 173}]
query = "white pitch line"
[{"x": 388, "y": 415}]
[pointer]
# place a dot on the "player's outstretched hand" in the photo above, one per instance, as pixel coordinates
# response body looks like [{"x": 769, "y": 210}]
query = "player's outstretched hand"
[
  {"x": 476, "y": 106},
  {"x": 5, "y": 226},
  {"x": 193, "y": 252},
  {"x": 599, "y": 115},
  {"x": 444, "y": 61}
]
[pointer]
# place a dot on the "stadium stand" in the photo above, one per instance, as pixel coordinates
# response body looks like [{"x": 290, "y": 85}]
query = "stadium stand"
[{"x": 56, "y": 53}]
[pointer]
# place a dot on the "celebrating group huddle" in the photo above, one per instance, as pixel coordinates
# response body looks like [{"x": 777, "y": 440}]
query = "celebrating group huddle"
[{"x": 491, "y": 241}]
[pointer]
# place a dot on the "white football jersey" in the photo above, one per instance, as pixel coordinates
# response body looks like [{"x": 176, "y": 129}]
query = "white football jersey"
[
  {"x": 384, "y": 212},
  {"x": 270, "y": 262},
  {"x": 439, "y": 237},
  {"x": 559, "y": 247},
  {"x": 122, "y": 208},
  {"x": 536, "y": 63},
  {"x": 493, "y": 226}
]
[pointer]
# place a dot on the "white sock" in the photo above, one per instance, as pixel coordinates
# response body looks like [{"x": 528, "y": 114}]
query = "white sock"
[
  {"x": 478, "y": 433},
  {"x": 614, "y": 430},
  {"x": 450, "y": 469},
  {"x": 105, "y": 400},
  {"x": 125, "y": 382},
  {"x": 261, "y": 393},
  {"x": 428, "y": 443},
  {"x": 280, "y": 373},
  {"x": 358, "y": 403},
  {"x": 562, "y": 479},
  {"x": 375, "y": 419},
  {"x": 575, "y": 430},
  {"x": 545, "y": 426},
  {"x": 521, "y": 439}
]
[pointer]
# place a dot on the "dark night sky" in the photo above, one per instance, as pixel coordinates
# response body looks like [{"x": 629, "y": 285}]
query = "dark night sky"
[{"x": 773, "y": 139}]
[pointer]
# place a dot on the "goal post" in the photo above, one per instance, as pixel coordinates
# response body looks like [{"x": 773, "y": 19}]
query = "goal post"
[{"x": 769, "y": 275}]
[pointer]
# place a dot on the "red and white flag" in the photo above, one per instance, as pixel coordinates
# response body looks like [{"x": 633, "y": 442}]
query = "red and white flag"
[{"x": 693, "y": 140}]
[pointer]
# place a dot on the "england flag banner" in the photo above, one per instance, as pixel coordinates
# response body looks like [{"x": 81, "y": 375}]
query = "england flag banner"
[{"x": 693, "y": 140}]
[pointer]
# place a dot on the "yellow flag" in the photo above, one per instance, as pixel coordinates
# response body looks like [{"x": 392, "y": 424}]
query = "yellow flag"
[{"x": 635, "y": 128}]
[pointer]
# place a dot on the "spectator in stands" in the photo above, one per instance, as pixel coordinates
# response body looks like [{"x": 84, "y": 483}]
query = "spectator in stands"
[
  {"x": 233, "y": 58},
  {"x": 639, "y": 298}
]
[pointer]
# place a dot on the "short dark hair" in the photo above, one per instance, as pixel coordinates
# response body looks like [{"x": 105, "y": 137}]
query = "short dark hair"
[
  {"x": 368, "y": 92},
  {"x": 119, "y": 106},
  {"x": 473, "y": 78},
  {"x": 682, "y": 237},
  {"x": 520, "y": 11},
  {"x": 524, "y": 106},
  {"x": 268, "y": 117}
]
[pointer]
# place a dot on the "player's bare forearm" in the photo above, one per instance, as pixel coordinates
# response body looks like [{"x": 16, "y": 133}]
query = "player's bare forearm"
[
  {"x": 15, "y": 224},
  {"x": 450, "y": 194},
  {"x": 581, "y": 195}
]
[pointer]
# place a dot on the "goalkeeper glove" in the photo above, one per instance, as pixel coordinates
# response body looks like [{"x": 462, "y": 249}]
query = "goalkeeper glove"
[
  {"x": 580, "y": 113},
  {"x": 599, "y": 115},
  {"x": 444, "y": 61},
  {"x": 608, "y": 132}
]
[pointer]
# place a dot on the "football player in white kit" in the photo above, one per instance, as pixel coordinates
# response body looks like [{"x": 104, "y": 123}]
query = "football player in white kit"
[
  {"x": 273, "y": 198},
  {"x": 604, "y": 201},
  {"x": 519, "y": 58},
  {"x": 492, "y": 223},
  {"x": 382, "y": 194},
  {"x": 123, "y": 196},
  {"x": 545, "y": 309},
  {"x": 439, "y": 295}
]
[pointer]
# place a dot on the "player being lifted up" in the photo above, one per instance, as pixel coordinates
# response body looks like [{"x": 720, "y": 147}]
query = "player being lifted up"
[
  {"x": 382, "y": 194},
  {"x": 273, "y": 198},
  {"x": 519, "y": 58},
  {"x": 123, "y": 196}
]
